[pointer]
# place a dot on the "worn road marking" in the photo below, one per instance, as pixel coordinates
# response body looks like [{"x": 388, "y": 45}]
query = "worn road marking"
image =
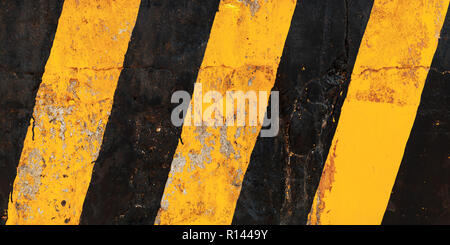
[
  {"x": 72, "y": 107},
  {"x": 243, "y": 53},
  {"x": 377, "y": 116}
]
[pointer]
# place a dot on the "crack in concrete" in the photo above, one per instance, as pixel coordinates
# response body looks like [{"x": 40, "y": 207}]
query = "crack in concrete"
[{"x": 387, "y": 68}]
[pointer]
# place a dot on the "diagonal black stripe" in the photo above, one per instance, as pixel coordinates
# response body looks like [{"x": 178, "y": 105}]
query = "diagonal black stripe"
[
  {"x": 165, "y": 53},
  {"x": 313, "y": 76},
  {"x": 26, "y": 37},
  {"x": 421, "y": 193}
]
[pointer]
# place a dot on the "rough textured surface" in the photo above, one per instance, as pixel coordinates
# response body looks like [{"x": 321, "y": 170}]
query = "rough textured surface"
[
  {"x": 28, "y": 29},
  {"x": 313, "y": 75},
  {"x": 71, "y": 111},
  {"x": 164, "y": 55},
  {"x": 376, "y": 118},
  {"x": 244, "y": 45},
  {"x": 421, "y": 194}
]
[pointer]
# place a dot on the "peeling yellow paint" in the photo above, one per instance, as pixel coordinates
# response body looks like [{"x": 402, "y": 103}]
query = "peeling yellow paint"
[
  {"x": 208, "y": 168},
  {"x": 72, "y": 107},
  {"x": 377, "y": 116}
]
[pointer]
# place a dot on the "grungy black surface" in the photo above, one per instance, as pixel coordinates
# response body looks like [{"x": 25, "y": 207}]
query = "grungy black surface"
[
  {"x": 26, "y": 37},
  {"x": 164, "y": 56},
  {"x": 313, "y": 78}
]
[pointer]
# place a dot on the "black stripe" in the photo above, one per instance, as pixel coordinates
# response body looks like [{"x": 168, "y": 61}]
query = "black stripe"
[
  {"x": 315, "y": 68},
  {"x": 165, "y": 53},
  {"x": 26, "y": 37},
  {"x": 421, "y": 193}
]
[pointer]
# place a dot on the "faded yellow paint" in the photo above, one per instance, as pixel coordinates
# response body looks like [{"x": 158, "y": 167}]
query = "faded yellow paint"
[
  {"x": 72, "y": 107},
  {"x": 243, "y": 53},
  {"x": 377, "y": 116}
]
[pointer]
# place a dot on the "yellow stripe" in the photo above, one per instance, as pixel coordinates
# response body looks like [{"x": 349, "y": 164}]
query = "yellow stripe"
[
  {"x": 71, "y": 111},
  {"x": 243, "y": 53},
  {"x": 377, "y": 116}
]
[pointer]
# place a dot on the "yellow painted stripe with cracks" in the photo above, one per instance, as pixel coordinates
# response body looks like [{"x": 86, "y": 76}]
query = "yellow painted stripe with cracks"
[
  {"x": 72, "y": 107},
  {"x": 377, "y": 116},
  {"x": 243, "y": 53}
]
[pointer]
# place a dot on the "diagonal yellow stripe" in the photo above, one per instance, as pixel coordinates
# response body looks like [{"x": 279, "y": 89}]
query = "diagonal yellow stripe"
[
  {"x": 71, "y": 111},
  {"x": 243, "y": 53},
  {"x": 377, "y": 116}
]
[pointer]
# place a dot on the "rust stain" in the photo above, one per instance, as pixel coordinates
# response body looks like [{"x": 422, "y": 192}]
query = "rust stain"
[{"x": 326, "y": 184}]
